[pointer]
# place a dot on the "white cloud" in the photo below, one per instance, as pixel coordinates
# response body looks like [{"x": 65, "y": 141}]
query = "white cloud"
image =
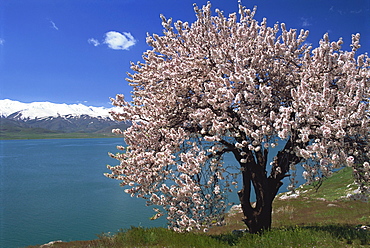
[
  {"x": 305, "y": 22},
  {"x": 53, "y": 25},
  {"x": 2, "y": 41},
  {"x": 93, "y": 41},
  {"x": 356, "y": 11},
  {"x": 119, "y": 41},
  {"x": 115, "y": 40}
]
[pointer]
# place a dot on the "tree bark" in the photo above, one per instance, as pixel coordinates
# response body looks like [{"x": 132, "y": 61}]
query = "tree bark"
[{"x": 258, "y": 218}]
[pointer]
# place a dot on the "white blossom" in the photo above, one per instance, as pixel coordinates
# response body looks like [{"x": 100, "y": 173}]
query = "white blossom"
[{"x": 233, "y": 84}]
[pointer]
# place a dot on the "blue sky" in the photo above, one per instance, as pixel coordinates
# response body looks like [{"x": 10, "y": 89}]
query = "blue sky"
[{"x": 78, "y": 51}]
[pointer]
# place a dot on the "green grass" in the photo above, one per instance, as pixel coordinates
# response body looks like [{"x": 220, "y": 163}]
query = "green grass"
[
  {"x": 307, "y": 236},
  {"x": 332, "y": 188},
  {"x": 324, "y": 236},
  {"x": 160, "y": 237},
  {"x": 317, "y": 218}
]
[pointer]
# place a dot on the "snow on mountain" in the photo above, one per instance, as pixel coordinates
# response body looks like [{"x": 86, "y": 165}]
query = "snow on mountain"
[{"x": 47, "y": 109}]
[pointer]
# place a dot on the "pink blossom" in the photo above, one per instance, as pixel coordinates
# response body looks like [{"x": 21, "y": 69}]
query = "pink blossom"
[{"x": 350, "y": 160}]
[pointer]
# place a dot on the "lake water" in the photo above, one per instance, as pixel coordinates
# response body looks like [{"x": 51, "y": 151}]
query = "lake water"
[{"x": 55, "y": 190}]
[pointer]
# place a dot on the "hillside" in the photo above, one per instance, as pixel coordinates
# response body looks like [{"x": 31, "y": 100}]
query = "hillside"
[{"x": 10, "y": 130}]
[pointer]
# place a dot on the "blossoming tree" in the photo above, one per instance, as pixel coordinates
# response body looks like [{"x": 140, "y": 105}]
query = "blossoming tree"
[{"x": 234, "y": 85}]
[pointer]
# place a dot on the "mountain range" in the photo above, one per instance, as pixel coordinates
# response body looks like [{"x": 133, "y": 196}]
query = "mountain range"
[{"x": 47, "y": 117}]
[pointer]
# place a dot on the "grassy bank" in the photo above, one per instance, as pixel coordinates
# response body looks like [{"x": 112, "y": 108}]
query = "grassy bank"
[
  {"x": 306, "y": 236},
  {"x": 317, "y": 217}
]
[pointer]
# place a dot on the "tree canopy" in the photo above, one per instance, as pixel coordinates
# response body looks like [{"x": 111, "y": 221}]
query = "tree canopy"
[{"x": 231, "y": 84}]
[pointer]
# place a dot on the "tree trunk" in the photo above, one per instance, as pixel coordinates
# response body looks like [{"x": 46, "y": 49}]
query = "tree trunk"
[{"x": 258, "y": 218}]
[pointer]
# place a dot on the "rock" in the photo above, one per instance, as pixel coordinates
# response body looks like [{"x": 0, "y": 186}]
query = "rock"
[
  {"x": 357, "y": 195},
  {"x": 235, "y": 209},
  {"x": 289, "y": 195},
  {"x": 50, "y": 243},
  {"x": 332, "y": 205},
  {"x": 363, "y": 228}
]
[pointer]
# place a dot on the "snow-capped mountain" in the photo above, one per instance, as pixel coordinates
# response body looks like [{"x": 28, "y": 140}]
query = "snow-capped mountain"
[
  {"x": 47, "y": 109},
  {"x": 57, "y": 117}
]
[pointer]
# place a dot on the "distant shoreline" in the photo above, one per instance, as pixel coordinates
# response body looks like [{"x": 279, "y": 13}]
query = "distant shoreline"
[{"x": 13, "y": 136}]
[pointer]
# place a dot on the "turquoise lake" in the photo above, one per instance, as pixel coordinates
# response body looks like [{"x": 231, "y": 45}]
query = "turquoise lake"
[{"x": 55, "y": 190}]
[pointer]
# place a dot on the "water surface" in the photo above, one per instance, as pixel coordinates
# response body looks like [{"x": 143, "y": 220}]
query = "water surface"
[{"x": 55, "y": 190}]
